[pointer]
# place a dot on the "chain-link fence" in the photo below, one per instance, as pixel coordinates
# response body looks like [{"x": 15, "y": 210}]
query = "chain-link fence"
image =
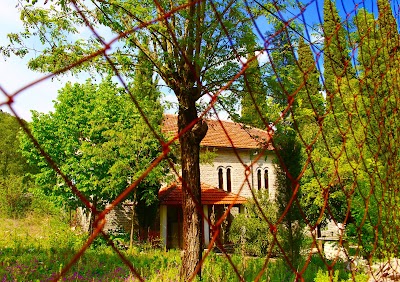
[{"x": 306, "y": 168}]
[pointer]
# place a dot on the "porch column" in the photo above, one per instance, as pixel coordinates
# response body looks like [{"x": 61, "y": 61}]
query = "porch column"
[
  {"x": 206, "y": 227},
  {"x": 241, "y": 208},
  {"x": 163, "y": 225}
]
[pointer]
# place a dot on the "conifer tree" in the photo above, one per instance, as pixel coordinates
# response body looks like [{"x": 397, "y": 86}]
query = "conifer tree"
[
  {"x": 338, "y": 69},
  {"x": 309, "y": 98},
  {"x": 373, "y": 202},
  {"x": 282, "y": 83},
  {"x": 387, "y": 96},
  {"x": 254, "y": 96},
  {"x": 327, "y": 177},
  {"x": 388, "y": 85},
  {"x": 307, "y": 115}
]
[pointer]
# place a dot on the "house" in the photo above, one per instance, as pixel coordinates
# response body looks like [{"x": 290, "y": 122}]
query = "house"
[{"x": 243, "y": 160}]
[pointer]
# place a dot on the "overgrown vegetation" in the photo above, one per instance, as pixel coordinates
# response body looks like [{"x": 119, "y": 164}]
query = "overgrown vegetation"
[
  {"x": 250, "y": 231},
  {"x": 337, "y": 151},
  {"x": 15, "y": 201},
  {"x": 36, "y": 247}
]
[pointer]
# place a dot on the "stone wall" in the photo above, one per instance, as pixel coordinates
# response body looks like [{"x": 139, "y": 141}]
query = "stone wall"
[
  {"x": 226, "y": 158},
  {"x": 118, "y": 218}
]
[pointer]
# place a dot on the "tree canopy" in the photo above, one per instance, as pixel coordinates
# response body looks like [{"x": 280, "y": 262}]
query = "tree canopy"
[
  {"x": 195, "y": 50},
  {"x": 97, "y": 138},
  {"x": 336, "y": 129},
  {"x": 11, "y": 160}
]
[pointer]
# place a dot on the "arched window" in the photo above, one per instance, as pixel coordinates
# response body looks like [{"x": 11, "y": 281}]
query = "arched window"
[
  {"x": 266, "y": 180},
  {"x": 259, "y": 179},
  {"x": 228, "y": 180},
  {"x": 220, "y": 179}
]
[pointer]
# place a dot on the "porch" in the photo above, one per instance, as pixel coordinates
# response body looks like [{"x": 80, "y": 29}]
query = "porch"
[{"x": 213, "y": 203}]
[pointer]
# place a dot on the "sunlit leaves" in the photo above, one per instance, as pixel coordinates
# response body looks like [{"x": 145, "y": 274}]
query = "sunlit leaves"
[{"x": 98, "y": 139}]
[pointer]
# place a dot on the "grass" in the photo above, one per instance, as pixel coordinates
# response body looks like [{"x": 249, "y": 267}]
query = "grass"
[{"x": 36, "y": 248}]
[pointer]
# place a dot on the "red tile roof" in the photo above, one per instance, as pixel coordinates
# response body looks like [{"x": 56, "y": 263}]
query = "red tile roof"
[
  {"x": 241, "y": 136},
  {"x": 172, "y": 195}
]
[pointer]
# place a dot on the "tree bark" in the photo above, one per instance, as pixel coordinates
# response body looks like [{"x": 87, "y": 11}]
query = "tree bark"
[
  {"x": 320, "y": 242},
  {"x": 93, "y": 213},
  {"x": 191, "y": 194},
  {"x": 134, "y": 224}
]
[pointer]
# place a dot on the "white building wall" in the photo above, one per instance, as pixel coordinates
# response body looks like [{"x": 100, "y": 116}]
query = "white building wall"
[{"x": 226, "y": 158}]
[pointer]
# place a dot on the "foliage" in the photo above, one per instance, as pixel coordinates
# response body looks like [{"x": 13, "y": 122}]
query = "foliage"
[
  {"x": 309, "y": 100},
  {"x": 192, "y": 52},
  {"x": 287, "y": 194},
  {"x": 346, "y": 143},
  {"x": 254, "y": 95},
  {"x": 337, "y": 63},
  {"x": 97, "y": 138},
  {"x": 283, "y": 81},
  {"x": 15, "y": 201},
  {"x": 250, "y": 232},
  {"x": 11, "y": 160},
  {"x": 325, "y": 277},
  {"x": 373, "y": 208},
  {"x": 37, "y": 247}
]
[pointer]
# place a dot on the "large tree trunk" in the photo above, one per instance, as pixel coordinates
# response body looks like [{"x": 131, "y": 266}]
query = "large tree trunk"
[{"x": 191, "y": 196}]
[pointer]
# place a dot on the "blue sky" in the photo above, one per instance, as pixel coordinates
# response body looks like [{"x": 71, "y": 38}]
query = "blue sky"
[{"x": 14, "y": 74}]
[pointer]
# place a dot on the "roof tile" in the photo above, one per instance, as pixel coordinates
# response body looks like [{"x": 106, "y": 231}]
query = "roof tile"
[
  {"x": 172, "y": 195},
  {"x": 226, "y": 134}
]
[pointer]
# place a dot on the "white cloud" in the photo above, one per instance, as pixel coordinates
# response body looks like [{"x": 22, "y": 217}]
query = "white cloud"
[
  {"x": 317, "y": 37},
  {"x": 262, "y": 58}
]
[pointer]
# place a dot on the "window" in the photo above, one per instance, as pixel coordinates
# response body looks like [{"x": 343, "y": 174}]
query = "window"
[
  {"x": 228, "y": 180},
  {"x": 266, "y": 184},
  {"x": 220, "y": 179},
  {"x": 259, "y": 179}
]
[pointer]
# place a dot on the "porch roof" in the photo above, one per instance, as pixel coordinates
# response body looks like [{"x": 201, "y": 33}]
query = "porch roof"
[{"x": 172, "y": 195}]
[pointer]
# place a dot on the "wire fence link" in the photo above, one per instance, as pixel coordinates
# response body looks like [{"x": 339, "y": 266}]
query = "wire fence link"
[{"x": 320, "y": 78}]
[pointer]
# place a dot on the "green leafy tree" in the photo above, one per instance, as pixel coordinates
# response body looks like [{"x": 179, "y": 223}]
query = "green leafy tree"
[
  {"x": 15, "y": 198},
  {"x": 97, "y": 138},
  {"x": 15, "y": 201},
  {"x": 11, "y": 160},
  {"x": 189, "y": 50}
]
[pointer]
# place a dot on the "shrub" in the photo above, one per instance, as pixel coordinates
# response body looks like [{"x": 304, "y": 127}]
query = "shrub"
[
  {"x": 323, "y": 276},
  {"x": 250, "y": 232},
  {"x": 15, "y": 201}
]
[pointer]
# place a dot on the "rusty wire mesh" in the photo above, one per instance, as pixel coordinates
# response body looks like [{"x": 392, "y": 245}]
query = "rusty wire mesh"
[{"x": 350, "y": 148}]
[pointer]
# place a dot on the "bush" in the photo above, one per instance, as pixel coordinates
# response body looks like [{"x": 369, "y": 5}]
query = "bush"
[
  {"x": 45, "y": 205},
  {"x": 15, "y": 200},
  {"x": 250, "y": 231}
]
